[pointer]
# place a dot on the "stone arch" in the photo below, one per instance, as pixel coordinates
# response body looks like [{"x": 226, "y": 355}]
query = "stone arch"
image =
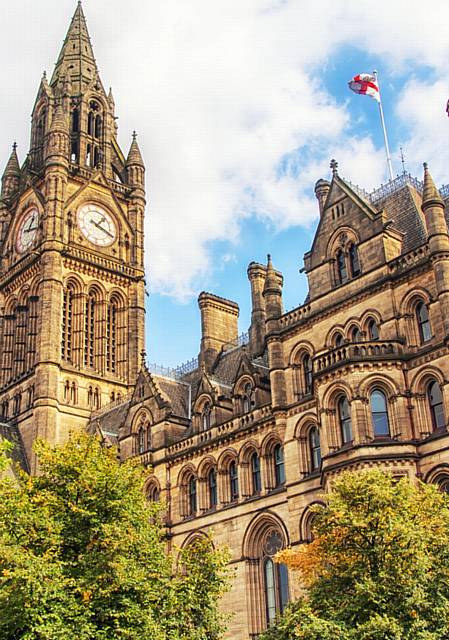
[
  {"x": 152, "y": 489},
  {"x": 301, "y": 368},
  {"x": 427, "y": 414},
  {"x": 306, "y": 520},
  {"x": 264, "y": 536},
  {"x": 439, "y": 475},
  {"x": 331, "y": 337},
  {"x": 303, "y": 436}
]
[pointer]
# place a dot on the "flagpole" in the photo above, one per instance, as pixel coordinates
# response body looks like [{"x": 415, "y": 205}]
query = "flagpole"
[{"x": 382, "y": 119}]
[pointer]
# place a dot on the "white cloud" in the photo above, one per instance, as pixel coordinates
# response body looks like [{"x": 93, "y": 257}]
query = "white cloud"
[{"x": 221, "y": 91}]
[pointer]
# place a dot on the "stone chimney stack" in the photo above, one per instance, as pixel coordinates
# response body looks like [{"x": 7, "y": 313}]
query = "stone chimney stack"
[
  {"x": 257, "y": 274},
  {"x": 321, "y": 190},
  {"x": 219, "y": 327}
]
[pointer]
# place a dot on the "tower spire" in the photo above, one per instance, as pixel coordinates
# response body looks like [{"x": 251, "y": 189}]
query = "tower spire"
[{"x": 76, "y": 58}]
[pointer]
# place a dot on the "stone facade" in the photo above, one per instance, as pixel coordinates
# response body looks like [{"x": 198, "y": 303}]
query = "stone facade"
[{"x": 247, "y": 439}]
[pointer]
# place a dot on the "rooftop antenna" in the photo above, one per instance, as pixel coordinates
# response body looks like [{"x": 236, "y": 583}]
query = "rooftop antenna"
[{"x": 403, "y": 161}]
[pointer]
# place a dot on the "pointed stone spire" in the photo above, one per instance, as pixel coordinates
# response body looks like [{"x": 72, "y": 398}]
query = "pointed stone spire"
[
  {"x": 111, "y": 100},
  {"x": 271, "y": 280},
  {"x": 12, "y": 168},
  {"x": 76, "y": 57},
  {"x": 11, "y": 175},
  {"x": 272, "y": 291},
  {"x": 134, "y": 155},
  {"x": 59, "y": 122},
  {"x": 431, "y": 196}
]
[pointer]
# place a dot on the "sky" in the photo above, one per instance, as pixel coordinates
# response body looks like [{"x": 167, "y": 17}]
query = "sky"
[{"x": 239, "y": 107}]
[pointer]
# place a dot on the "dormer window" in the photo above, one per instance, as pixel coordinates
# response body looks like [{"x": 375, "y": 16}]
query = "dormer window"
[
  {"x": 247, "y": 400},
  {"x": 205, "y": 416}
]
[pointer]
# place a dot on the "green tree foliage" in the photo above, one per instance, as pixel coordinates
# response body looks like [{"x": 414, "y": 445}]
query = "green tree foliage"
[
  {"x": 84, "y": 557},
  {"x": 378, "y": 567}
]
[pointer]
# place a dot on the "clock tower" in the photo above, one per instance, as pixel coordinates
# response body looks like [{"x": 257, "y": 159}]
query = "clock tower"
[{"x": 72, "y": 268}]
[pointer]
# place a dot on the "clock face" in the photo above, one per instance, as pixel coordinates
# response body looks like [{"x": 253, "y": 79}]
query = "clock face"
[
  {"x": 96, "y": 225},
  {"x": 28, "y": 230}
]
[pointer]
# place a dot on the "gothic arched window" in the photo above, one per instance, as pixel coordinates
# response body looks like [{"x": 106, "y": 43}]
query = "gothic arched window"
[
  {"x": 141, "y": 440},
  {"x": 247, "y": 399},
  {"x": 205, "y": 416},
  {"x": 342, "y": 272},
  {"x": 153, "y": 493},
  {"x": 338, "y": 339},
  {"x": 275, "y": 578},
  {"x": 90, "y": 330},
  {"x": 279, "y": 466},
  {"x": 344, "y": 417},
  {"x": 356, "y": 335},
  {"x": 111, "y": 336},
  {"x": 233, "y": 481},
  {"x": 315, "y": 448},
  {"x": 212, "y": 488},
  {"x": 67, "y": 323},
  {"x": 422, "y": 318},
  {"x": 256, "y": 484},
  {"x": 435, "y": 400},
  {"x": 191, "y": 494},
  {"x": 354, "y": 262},
  {"x": 307, "y": 374},
  {"x": 373, "y": 330},
  {"x": 379, "y": 413}
]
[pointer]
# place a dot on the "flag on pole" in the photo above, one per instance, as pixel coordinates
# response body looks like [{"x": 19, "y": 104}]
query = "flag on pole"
[{"x": 365, "y": 84}]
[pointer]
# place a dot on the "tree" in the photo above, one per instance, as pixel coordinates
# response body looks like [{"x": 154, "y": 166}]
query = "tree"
[
  {"x": 378, "y": 566},
  {"x": 83, "y": 556}
]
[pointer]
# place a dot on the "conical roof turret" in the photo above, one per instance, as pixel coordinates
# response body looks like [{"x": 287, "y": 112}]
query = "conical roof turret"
[
  {"x": 430, "y": 196},
  {"x": 134, "y": 155},
  {"x": 12, "y": 169},
  {"x": 59, "y": 122},
  {"x": 272, "y": 283}
]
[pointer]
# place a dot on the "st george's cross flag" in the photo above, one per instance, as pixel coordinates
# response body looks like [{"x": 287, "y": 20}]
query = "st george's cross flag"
[{"x": 365, "y": 84}]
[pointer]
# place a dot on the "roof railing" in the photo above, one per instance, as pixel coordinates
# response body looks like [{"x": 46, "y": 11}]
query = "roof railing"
[{"x": 392, "y": 186}]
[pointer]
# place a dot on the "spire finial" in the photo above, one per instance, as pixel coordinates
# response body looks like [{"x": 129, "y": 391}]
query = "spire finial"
[
  {"x": 134, "y": 135},
  {"x": 269, "y": 263},
  {"x": 430, "y": 196},
  {"x": 334, "y": 167},
  {"x": 14, "y": 145}
]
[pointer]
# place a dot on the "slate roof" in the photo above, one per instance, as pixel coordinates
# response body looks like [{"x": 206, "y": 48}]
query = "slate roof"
[
  {"x": 109, "y": 422},
  {"x": 178, "y": 393},
  {"x": 403, "y": 208}
]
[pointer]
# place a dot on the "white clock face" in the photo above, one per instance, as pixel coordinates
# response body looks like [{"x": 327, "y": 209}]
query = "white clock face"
[
  {"x": 28, "y": 230},
  {"x": 96, "y": 225}
]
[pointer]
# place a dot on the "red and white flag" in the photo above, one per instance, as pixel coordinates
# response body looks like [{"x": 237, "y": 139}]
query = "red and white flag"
[{"x": 366, "y": 85}]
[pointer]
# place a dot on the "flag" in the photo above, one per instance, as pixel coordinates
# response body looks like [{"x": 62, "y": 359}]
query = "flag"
[{"x": 366, "y": 85}]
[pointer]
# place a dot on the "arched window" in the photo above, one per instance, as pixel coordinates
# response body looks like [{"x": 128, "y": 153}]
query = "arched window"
[
  {"x": 422, "y": 317},
  {"x": 192, "y": 498},
  {"x": 256, "y": 484},
  {"x": 356, "y": 335},
  {"x": 75, "y": 121},
  {"x": 354, "y": 262},
  {"x": 247, "y": 399},
  {"x": 111, "y": 336},
  {"x": 344, "y": 417},
  {"x": 73, "y": 394},
  {"x": 212, "y": 488},
  {"x": 307, "y": 374},
  {"x": 435, "y": 399},
  {"x": 342, "y": 272},
  {"x": 98, "y": 126},
  {"x": 67, "y": 323},
  {"x": 315, "y": 448},
  {"x": 141, "y": 440},
  {"x": 153, "y": 494},
  {"x": 233, "y": 481},
  {"x": 338, "y": 340},
  {"x": 97, "y": 398},
  {"x": 373, "y": 330},
  {"x": 205, "y": 416},
  {"x": 279, "y": 467},
  {"x": 90, "y": 330},
  {"x": 379, "y": 413},
  {"x": 275, "y": 578}
]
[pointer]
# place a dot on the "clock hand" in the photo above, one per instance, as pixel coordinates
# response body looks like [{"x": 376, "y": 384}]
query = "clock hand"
[
  {"x": 101, "y": 228},
  {"x": 29, "y": 229}
]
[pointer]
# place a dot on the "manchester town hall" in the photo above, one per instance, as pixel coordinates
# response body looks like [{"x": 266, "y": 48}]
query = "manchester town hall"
[{"x": 249, "y": 436}]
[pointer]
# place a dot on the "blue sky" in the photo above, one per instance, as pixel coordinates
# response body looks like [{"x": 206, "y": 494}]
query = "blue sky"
[{"x": 239, "y": 108}]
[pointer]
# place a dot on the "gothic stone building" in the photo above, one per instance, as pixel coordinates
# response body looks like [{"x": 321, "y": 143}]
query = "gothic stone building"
[{"x": 251, "y": 436}]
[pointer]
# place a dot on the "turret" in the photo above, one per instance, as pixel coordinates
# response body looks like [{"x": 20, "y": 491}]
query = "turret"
[
  {"x": 11, "y": 175},
  {"x": 256, "y": 275},
  {"x": 219, "y": 327},
  {"x": 272, "y": 292},
  {"x": 438, "y": 240},
  {"x": 135, "y": 168},
  {"x": 57, "y": 139}
]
